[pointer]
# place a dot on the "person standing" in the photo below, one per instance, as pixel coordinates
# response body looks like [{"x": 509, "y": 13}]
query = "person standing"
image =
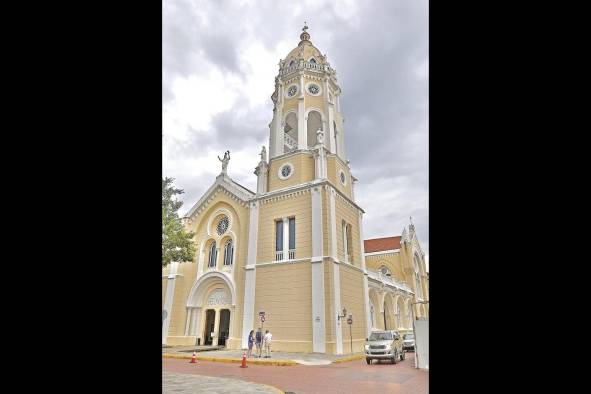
[
  {"x": 268, "y": 338},
  {"x": 258, "y": 342},
  {"x": 250, "y": 342}
]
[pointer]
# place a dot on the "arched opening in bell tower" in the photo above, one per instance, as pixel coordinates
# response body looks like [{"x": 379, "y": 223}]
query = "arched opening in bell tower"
[
  {"x": 313, "y": 125},
  {"x": 290, "y": 133}
]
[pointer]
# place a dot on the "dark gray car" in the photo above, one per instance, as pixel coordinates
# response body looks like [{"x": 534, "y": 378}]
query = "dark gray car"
[{"x": 408, "y": 341}]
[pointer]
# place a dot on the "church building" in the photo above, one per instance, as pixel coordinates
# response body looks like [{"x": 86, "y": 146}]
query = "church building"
[{"x": 293, "y": 251}]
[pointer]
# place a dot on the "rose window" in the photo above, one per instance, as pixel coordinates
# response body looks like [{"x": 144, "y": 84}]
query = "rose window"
[{"x": 223, "y": 225}]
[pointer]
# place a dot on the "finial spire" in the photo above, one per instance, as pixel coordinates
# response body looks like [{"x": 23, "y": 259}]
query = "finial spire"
[{"x": 305, "y": 37}]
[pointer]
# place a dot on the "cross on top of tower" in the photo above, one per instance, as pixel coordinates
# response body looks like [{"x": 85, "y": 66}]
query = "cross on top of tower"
[{"x": 305, "y": 36}]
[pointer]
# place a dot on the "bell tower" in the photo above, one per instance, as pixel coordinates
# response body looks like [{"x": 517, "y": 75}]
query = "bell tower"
[{"x": 306, "y": 99}]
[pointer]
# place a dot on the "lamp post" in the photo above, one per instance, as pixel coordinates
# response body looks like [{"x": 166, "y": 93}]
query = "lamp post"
[{"x": 412, "y": 310}]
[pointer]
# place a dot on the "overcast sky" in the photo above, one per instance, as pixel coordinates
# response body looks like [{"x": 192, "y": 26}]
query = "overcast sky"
[{"x": 219, "y": 62}]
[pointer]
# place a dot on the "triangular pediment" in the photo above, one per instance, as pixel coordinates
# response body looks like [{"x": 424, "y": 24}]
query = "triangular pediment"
[{"x": 222, "y": 183}]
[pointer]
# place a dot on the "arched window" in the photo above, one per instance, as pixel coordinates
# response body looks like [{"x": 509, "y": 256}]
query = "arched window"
[
  {"x": 314, "y": 124},
  {"x": 228, "y": 253},
  {"x": 336, "y": 140},
  {"x": 212, "y": 255},
  {"x": 418, "y": 278},
  {"x": 313, "y": 61},
  {"x": 292, "y": 63}
]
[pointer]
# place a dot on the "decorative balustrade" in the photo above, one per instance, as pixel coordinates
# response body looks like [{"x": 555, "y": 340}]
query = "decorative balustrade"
[
  {"x": 304, "y": 66},
  {"x": 290, "y": 142},
  {"x": 291, "y": 254},
  {"x": 387, "y": 280},
  {"x": 279, "y": 256}
]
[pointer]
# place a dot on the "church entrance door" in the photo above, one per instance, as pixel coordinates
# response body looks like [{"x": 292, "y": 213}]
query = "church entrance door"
[
  {"x": 224, "y": 330},
  {"x": 209, "y": 326}
]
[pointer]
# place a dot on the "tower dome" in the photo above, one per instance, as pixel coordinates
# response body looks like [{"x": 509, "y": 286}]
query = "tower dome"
[{"x": 305, "y": 51}]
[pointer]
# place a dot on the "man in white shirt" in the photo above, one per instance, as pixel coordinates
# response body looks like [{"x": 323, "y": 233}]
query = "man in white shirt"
[{"x": 267, "y": 340}]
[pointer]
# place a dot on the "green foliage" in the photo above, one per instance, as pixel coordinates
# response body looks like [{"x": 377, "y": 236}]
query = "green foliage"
[{"x": 177, "y": 244}]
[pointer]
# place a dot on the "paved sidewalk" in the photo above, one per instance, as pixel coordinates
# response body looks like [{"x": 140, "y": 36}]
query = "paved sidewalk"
[
  {"x": 179, "y": 383},
  {"x": 277, "y": 358}
]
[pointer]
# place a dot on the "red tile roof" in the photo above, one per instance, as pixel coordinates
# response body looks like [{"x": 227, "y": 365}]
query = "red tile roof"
[{"x": 380, "y": 244}]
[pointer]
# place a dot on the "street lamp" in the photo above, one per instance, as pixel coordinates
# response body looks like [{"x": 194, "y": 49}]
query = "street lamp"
[
  {"x": 412, "y": 310},
  {"x": 339, "y": 317}
]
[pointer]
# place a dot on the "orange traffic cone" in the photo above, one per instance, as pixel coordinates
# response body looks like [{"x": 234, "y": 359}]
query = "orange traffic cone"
[
  {"x": 243, "y": 360},
  {"x": 193, "y": 359}
]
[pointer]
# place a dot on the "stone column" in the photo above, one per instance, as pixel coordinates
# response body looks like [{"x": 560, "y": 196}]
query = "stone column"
[
  {"x": 188, "y": 320},
  {"x": 250, "y": 273},
  {"x": 302, "y": 124},
  {"x": 167, "y": 310},
  {"x": 369, "y": 323},
  {"x": 216, "y": 327},
  {"x": 285, "y": 238},
  {"x": 318, "y": 309}
]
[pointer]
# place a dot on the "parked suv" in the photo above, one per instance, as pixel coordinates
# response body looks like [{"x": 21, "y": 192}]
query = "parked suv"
[
  {"x": 408, "y": 341},
  {"x": 384, "y": 345}
]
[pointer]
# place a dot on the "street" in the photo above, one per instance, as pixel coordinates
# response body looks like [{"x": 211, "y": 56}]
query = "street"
[{"x": 339, "y": 378}]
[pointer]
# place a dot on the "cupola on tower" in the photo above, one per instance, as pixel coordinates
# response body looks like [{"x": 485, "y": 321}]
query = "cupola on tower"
[{"x": 306, "y": 99}]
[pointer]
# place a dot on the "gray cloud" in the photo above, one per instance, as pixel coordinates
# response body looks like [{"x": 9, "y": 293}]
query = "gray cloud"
[{"x": 378, "y": 54}]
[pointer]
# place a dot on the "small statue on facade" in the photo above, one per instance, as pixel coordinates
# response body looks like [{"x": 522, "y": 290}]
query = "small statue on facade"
[
  {"x": 263, "y": 154},
  {"x": 225, "y": 161},
  {"x": 320, "y": 136}
]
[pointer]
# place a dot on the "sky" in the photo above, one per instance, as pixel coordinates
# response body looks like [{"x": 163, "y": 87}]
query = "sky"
[{"x": 219, "y": 61}]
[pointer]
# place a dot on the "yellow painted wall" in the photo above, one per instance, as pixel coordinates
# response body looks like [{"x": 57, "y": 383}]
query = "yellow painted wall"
[
  {"x": 299, "y": 206},
  {"x": 303, "y": 170},
  {"x": 188, "y": 270},
  {"x": 284, "y": 292},
  {"x": 352, "y": 300},
  {"x": 334, "y": 166},
  {"x": 392, "y": 261},
  {"x": 351, "y": 215}
]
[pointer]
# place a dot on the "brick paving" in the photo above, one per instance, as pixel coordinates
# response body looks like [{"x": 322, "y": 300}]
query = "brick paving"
[
  {"x": 342, "y": 378},
  {"x": 313, "y": 358},
  {"x": 176, "y": 383}
]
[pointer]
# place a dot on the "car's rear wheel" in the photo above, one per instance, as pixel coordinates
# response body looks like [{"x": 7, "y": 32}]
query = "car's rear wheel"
[{"x": 368, "y": 361}]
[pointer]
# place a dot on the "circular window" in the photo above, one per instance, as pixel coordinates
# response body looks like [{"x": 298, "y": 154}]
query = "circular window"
[
  {"x": 292, "y": 90},
  {"x": 285, "y": 171},
  {"x": 223, "y": 225},
  {"x": 313, "y": 88},
  {"x": 343, "y": 178}
]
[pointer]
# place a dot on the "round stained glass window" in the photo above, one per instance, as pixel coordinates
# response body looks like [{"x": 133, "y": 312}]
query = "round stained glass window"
[
  {"x": 292, "y": 90},
  {"x": 223, "y": 225},
  {"x": 314, "y": 89},
  {"x": 285, "y": 171}
]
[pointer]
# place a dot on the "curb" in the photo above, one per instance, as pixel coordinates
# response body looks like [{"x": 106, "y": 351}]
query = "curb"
[
  {"x": 350, "y": 358},
  {"x": 277, "y": 363}
]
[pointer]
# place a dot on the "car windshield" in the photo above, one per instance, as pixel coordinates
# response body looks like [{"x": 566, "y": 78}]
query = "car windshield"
[
  {"x": 380, "y": 336},
  {"x": 409, "y": 336}
]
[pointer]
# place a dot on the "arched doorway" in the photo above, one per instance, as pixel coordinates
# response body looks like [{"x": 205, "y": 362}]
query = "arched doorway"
[{"x": 211, "y": 304}]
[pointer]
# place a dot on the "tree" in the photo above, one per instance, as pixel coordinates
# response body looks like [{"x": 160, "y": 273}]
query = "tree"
[{"x": 177, "y": 244}]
